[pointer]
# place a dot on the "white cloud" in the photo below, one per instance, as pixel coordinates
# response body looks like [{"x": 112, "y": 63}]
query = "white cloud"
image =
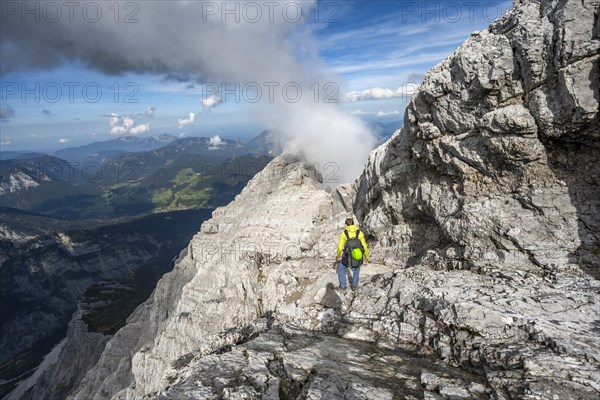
[
  {"x": 186, "y": 121},
  {"x": 63, "y": 140},
  {"x": 380, "y": 93},
  {"x": 128, "y": 122},
  {"x": 359, "y": 112},
  {"x": 150, "y": 111},
  {"x": 214, "y": 142},
  {"x": 183, "y": 134},
  {"x": 125, "y": 125},
  {"x": 387, "y": 113},
  {"x": 211, "y": 101},
  {"x": 118, "y": 130},
  {"x": 115, "y": 125},
  {"x": 5, "y": 142},
  {"x": 141, "y": 128},
  {"x": 378, "y": 113}
]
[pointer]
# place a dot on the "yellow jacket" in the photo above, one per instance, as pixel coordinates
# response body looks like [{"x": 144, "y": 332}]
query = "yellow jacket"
[{"x": 352, "y": 233}]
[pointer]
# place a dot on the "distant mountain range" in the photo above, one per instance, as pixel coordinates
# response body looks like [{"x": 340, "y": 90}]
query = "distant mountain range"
[
  {"x": 107, "y": 180},
  {"x": 111, "y": 148},
  {"x": 132, "y": 175},
  {"x": 38, "y": 174},
  {"x": 168, "y": 144},
  {"x": 265, "y": 143}
]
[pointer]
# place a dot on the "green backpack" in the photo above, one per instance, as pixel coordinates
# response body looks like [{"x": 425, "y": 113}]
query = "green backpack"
[{"x": 353, "y": 251}]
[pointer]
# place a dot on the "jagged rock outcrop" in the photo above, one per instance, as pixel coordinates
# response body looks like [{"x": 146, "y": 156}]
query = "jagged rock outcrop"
[
  {"x": 496, "y": 163},
  {"x": 492, "y": 185},
  {"x": 483, "y": 217}
]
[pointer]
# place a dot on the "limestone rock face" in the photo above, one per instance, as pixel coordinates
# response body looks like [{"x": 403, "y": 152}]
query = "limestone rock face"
[
  {"x": 287, "y": 362},
  {"x": 497, "y": 161},
  {"x": 489, "y": 195}
]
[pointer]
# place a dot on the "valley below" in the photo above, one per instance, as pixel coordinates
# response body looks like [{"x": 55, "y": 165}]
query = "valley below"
[{"x": 95, "y": 248}]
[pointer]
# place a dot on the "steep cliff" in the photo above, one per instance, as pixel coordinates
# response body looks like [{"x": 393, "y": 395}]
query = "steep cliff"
[
  {"x": 482, "y": 214},
  {"x": 492, "y": 186},
  {"x": 496, "y": 163},
  {"x": 47, "y": 264}
]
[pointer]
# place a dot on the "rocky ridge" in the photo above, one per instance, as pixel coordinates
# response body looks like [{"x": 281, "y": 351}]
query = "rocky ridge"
[
  {"x": 496, "y": 161},
  {"x": 255, "y": 283},
  {"x": 482, "y": 215}
]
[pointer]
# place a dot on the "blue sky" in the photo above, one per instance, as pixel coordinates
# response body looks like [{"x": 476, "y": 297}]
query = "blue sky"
[{"x": 368, "y": 54}]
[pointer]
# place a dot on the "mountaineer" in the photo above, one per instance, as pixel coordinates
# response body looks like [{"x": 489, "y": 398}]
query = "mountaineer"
[{"x": 351, "y": 251}]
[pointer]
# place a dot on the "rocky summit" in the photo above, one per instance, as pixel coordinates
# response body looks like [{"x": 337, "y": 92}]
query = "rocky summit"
[{"x": 482, "y": 214}]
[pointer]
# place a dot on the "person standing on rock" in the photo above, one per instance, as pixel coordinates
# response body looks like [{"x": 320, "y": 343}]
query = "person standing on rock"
[{"x": 352, "y": 251}]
